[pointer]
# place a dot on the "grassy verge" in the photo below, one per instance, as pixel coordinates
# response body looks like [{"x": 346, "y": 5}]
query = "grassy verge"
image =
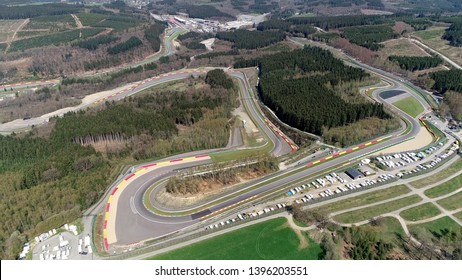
[
  {"x": 410, "y": 106},
  {"x": 451, "y": 203},
  {"x": 242, "y": 154},
  {"x": 425, "y": 96},
  {"x": 458, "y": 215},
  {"x": 364, "y": 199},
  {"x": 445, "y": 188},
  {"x": 453, "y": 168},
  {"x": 98, "y": 239},
  {"x": 298, "y": 223},
  {"x": 436, "y": 227},
  {"x": 420, "y": 212},
  {"x": 270, "y": 240},
  {"x": 373, "y": 211},
  {"x": 435, "y": 130}
]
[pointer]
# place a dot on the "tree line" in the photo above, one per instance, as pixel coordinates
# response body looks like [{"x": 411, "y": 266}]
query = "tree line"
[
  {"x": 223, "y": 174},
  {"x": 287, "y": 26},
  {"x": 93, "y": 43},
  {"x": 415, "y": 63},
  {"x": 299, "y": 86},
  {"x": 333, "y": 22}
]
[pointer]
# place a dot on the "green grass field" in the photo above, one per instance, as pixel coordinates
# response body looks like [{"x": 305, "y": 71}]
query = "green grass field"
[
  {"x": 437, "y": 226},
  {"x": 445, "y": 188},
  {"x": 430, "y": 33},
  {"x": 410, "y": 106},
  {"x": 420, "y": 212},
  {"x": 451, "y": 203},
  {"x": 364, "y": 199},
  {"x": 389, "y": 228},
  {"x": 373, "y": 211},
  {"x": 270, "y": 240},
  {"x": 453, "y": 168}
]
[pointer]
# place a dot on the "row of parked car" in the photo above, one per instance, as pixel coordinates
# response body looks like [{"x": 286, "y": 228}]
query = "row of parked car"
[
  {"x": 403, "y": 159},
  {"x": 430, "y": 164},
  {"x": 249, "y": 215},
  {"x": 347, "y": 187},
  {"x": 318, "y": 183}
]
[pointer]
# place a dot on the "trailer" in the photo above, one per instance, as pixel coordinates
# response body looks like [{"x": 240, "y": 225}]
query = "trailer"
[{"x": 87, "y": 240}]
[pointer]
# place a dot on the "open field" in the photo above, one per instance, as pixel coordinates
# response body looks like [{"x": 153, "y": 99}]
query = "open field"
[
  {"x": 410, "y": 106},
  {"x": 364, "y": 199},
  {"x": 437, "y": 226},
  {"x": 270, "y": 240},
  {"x": 400, "y": 47},
  {"x": 420, "y": 212},
  {"x": 8, "y": 27},
  {"x": 389, "y": 229},
  {"x": 451, "y": 203},
  {"x": 432, "y": 38},
  {"x": 373, "y": 211},
  {"x": 52, "y": 23},
  {"x": 445, "y": 188},
  {"x": 453, "y": 168}
]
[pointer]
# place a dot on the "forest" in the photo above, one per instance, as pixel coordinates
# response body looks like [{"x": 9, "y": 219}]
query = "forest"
[
  {"x": 299, "y": 86},
  {"x": 286, "y": 26},
  {"x": 217, "y": 78},
  {"x": 49, "y": 181},
  {"x": 131, "y": 43},
  {"x": 30, "y": 11},
  {"x": 370, "y": 36},
  {"x": 93, "y": 43},
  {"x": 153, "y": 33},
  {"x": 416, "y": 63},
  {"x": 447, "y": 80},
  {"x": 245, "y": 39},
  {"x": 454, "y": 34},
  {"x": 205, "y": 12},
  {"x": 334, "y": 22}
]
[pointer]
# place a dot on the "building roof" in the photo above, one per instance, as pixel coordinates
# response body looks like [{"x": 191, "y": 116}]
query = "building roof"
[{"x": 354, "y": 173}]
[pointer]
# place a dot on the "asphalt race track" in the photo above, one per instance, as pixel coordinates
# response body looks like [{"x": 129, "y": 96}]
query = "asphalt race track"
[{"x": 141, "y": 224}]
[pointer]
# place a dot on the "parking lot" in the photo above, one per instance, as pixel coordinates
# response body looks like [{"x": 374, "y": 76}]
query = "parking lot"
[{"x": 63, "y": 246}]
